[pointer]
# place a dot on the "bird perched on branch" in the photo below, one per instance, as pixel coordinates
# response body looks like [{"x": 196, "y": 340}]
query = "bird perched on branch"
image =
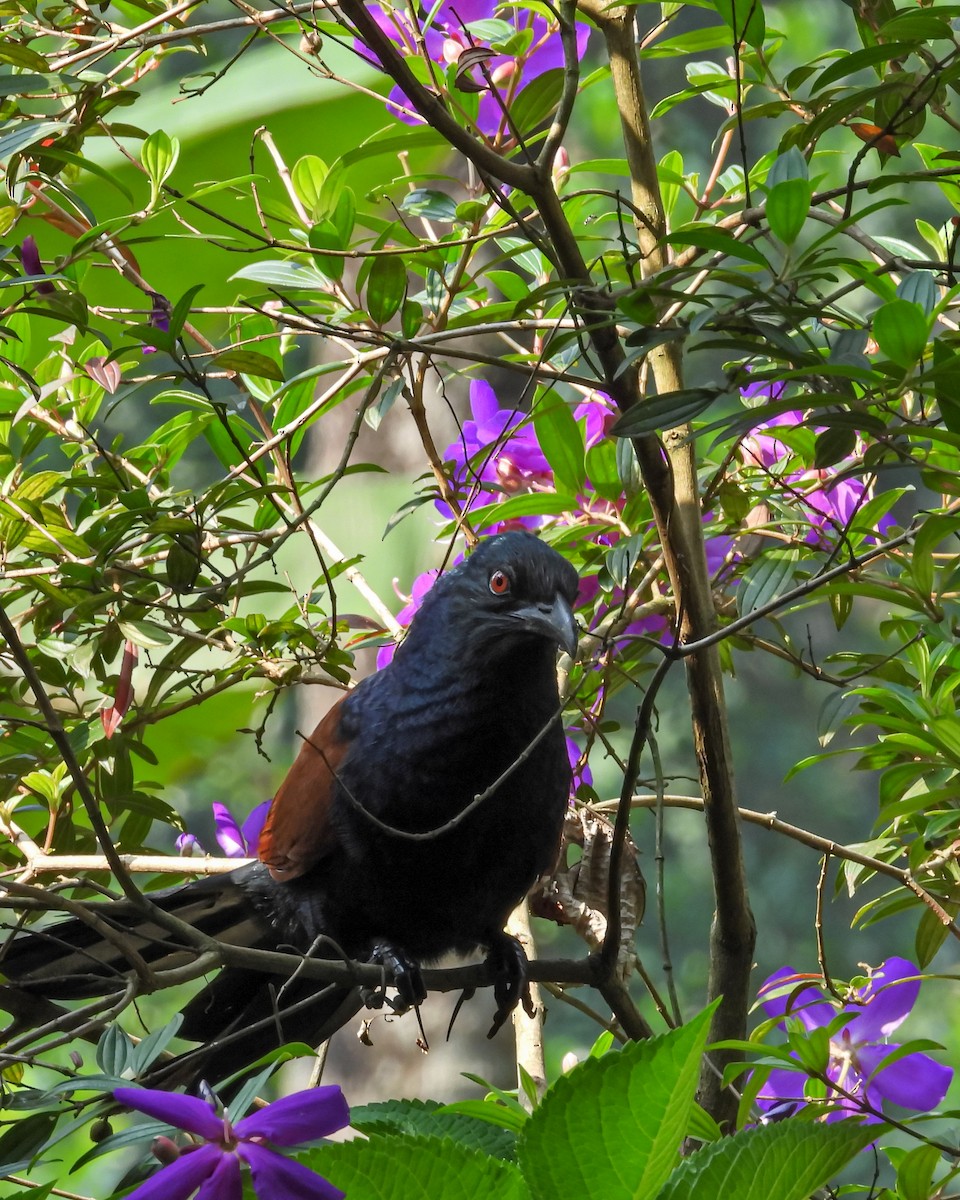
[{"x": 417, "y": 814}]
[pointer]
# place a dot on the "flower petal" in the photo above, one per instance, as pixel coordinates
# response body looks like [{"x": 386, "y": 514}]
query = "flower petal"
[
  {"x": 181, "y": 1178},
  {"x": 224, "y": 1183},
  {"x": 889, "y": 997},
  {"x": 301, "y": 1117},
  {"x": 228, "y": 832},
  {"x": 186, "y": 1112},
  {"x": 782, "y": 1085},
  {"x": 252, "y": 826},
  {"x": 805, "y": 1003},
  {"x": 915, "y": 1081},
  {"x": 275, "y": 1176}
]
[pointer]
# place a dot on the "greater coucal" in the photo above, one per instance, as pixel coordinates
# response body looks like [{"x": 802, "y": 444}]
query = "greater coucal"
[{"x": 418, "y": 813}]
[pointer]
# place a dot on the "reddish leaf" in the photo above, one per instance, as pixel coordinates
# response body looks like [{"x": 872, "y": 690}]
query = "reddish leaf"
[
  {"x": 107, "y": 374},
  {"x": 886, "y": 143},
  {"x": 112, "y": 715}
]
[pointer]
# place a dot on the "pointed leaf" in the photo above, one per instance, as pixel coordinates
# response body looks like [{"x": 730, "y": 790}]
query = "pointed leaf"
[
  {"x": 416, "y": 1168},
  {"x": 612, "y": 1128},
  {"x": 790, "y": 1161}
]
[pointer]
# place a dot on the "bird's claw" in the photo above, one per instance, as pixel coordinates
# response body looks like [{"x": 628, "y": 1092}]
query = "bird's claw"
[
  {"x": 507, "y": 962},
  {"x": 405, "y": 977}
]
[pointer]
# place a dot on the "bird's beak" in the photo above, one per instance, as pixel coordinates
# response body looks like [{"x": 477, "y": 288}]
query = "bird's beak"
[{"x": 555, "y": 621}]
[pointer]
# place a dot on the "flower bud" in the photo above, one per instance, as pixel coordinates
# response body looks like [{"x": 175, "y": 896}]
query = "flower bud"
[{"x": 164, "y": 1150}]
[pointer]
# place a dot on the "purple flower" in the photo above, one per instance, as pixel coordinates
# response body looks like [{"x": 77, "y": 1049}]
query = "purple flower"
[
  {"x": 32, "y": 266},
  {"x": 214, "y": 1165},
  {"x": 858, "y": 1047},
  {"x": 497, "y": 453},
  {"x": 449, "y": 34},
  {"x": 578, "y": 765},
  {"x": 421, "y": 585},
  {"x": 236, "y": 841},
  {"x": 829, "y": 505},
  {"x": 188, "y": 845},
  {"x": 239, "y": 841},
  {"x": 159, "y": 317}
]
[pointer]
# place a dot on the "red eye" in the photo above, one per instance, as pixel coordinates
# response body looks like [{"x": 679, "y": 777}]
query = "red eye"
[{"x": 499, "y": 583}]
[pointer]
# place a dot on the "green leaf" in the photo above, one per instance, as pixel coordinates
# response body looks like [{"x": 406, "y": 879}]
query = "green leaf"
[
  {"x": 900, "y": 328},
  {"x": 429, "y": 203},
  {"x": 745, "y": 18},
  {"x": 250, "y": 362},
  {"x": 766, "y": 579},
  {"x": 23, "y": 1139},
  {"x": 919, "y": 287},
  {"x": 145, "y": 633},
  {"x": 602, "y": 471},
  {"x": 416, "y": 1168},
  {"x": 915, "y": 1173},
  {"x": 114, "y": 1051},
  {"x": 561, "y": 440},
  {"x": 386, "y": 288},
  {"x": 612, "y": 1128},
  {"x": 710, "y": 238},
  {"x": 538, "y": 99},
  {"x": 19, "y": 135},
  {"x": 663, "y": 412},
  {"x": 159, "y": 154},
  {"x": 430, "y": 1118},
  {"x": 790, "y": 1161},
  {"x": 282, "y": 274},
  {"x": 308, "y": 176},
  {"x": 789, "y": 165},
  {"x": 787, "y": 206}
]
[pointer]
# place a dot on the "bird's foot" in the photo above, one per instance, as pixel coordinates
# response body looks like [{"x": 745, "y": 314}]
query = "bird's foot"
[
  {"x": 507, "y": 962},
  {"x": 405, "y": 977}
]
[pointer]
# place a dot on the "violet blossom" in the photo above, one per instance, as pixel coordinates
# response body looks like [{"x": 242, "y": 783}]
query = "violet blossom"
[
  {"x": 33, "y": 267},
  {"x": 451, "y": 32},
  {"x": 214, "y": 1165},
  {"x": 421, "y": 585},
  {"x": 859, "y": 1052},
  {"x": 828, "y": 504},
  {"x": 236, "y": 841},
  {"x": 159, "y": 317}
]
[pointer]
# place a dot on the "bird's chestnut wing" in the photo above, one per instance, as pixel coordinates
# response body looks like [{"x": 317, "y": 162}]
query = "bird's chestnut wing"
[{"x": 297, "y": 832}]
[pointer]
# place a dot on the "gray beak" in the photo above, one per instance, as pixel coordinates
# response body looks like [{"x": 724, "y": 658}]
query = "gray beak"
[{"x": 555, "y": 621}]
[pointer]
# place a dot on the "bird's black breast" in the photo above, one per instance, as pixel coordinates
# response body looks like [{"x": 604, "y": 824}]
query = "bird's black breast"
[{"x": 424, "y": 748}]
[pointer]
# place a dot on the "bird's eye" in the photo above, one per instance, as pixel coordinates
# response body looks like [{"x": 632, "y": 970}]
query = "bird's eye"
[{"x": 499, "y": 583}]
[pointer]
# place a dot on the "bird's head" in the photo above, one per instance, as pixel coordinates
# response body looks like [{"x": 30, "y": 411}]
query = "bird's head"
[{"x": 513, "y": 588}]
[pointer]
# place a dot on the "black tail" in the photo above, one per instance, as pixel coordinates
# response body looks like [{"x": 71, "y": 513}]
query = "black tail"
[{"x": 236, "y": 1018}]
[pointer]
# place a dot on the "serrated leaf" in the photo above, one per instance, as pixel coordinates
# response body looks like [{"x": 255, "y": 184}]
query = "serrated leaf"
[
  {"x": 432, "y": 1119},
  {"x": 416, "y": 1168},
  {"x": 663, "y": 412},
  {"x": 386, "y": 288},
  {"x": 250, "y": 362},
  {"x": 900, "y": 328},
  {"x": 790, "y": 1161},
  {"x": 787, "y": 206},
  {"x": 612, "y": 1128},
  {"x": 766, "y": 579}
]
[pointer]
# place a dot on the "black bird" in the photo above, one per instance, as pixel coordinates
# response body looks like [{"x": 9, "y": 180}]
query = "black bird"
[{"x": 376, "y": 838}]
